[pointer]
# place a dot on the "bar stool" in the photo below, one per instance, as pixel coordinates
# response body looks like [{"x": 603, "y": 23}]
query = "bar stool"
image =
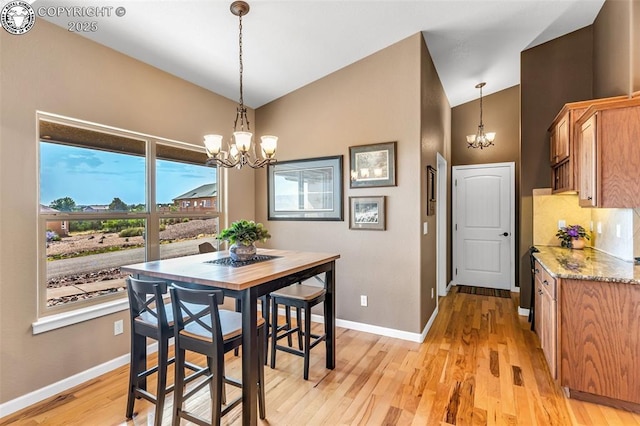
[
  {"x": 301, "y": 297},
  {"x": 150, "y": 318},
  {"x": 203, "y": 328}
]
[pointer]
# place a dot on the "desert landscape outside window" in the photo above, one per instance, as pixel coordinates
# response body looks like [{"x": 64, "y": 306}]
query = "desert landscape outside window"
[{"x": 100, "y": 208}]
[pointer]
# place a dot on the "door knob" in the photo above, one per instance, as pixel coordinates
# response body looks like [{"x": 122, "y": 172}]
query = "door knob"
[{"x": 504, "y": 234}]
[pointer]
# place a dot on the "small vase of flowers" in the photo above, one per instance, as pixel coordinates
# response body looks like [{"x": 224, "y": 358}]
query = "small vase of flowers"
[
  {"x": 572, "y": 236},
  {"x": 242, "y": 235}
]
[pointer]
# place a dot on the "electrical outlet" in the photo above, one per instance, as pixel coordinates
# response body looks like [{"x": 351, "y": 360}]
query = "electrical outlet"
[
  {"x": 599, "y": 227},
  {"x": 425, "y": 228},
  {"x": 562, "y": 223},
  {"x": 618, "y": 231},
  {"x": 432, "y": 292},
  {"x": 364, "y": 301},
  {"x": 118, "y": 327}
]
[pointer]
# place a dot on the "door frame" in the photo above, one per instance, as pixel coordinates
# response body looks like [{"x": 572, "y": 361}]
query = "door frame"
[
  {"x": 512, "y": 216},
  {"x": 441, "y": 226}
]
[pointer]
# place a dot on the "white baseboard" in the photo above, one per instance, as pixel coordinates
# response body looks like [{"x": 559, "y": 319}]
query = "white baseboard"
[
  {"x": 383, "y": 331},
  {"x": 63, "y": 385}
]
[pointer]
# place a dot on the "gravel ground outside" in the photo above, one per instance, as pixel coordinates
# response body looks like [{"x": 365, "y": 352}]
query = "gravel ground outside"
[{"x": 74, "y": 245}]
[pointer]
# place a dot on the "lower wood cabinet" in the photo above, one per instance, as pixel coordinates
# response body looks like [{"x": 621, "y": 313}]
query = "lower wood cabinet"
[
  {"x": 546, "y": 319},
  {"x": 600, "y": 342}
]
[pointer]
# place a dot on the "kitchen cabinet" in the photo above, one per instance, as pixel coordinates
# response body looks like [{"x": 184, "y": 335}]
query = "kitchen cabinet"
[
  {"x": 562, "y": 148},
  {"x": 546, "y": 318},
  {"x": 600, "y": 342},
  {"x": 597, "y": 318},
  {"x": 609, "y": 155}
]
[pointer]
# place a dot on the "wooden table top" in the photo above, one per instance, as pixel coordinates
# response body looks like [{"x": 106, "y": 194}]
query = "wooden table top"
[{"x": 195, "y": 268}]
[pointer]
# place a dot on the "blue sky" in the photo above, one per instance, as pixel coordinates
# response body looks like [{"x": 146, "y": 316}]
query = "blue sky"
[{"x": 92, "y": 177}]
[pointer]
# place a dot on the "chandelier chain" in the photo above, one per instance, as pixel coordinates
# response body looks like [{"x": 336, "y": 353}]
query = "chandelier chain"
[
  {"x": 240, "y": 59},
  {"x": 241, "y": 152},
  {"x": 481, "y": 125}
]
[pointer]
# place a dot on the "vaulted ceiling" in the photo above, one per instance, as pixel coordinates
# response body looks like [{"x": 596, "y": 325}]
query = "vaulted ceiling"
[{"x": 288, "y": 43}]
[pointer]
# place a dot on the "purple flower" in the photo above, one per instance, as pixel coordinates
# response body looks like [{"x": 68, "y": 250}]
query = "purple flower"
[{"x": 573, "y": 232}]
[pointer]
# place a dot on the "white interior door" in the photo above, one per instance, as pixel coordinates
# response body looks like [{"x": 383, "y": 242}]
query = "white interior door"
[{"x": 483, "y": 211}]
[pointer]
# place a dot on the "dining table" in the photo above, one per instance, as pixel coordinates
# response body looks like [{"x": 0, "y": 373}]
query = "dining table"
[{"x": 270, "y": 270}]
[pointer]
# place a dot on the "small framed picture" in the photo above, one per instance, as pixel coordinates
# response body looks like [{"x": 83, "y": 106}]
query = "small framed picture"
[
  {"x": 367, "y": 213},
  {"x": 373, "y": 165},
  {"x": 431, "y": 191}
]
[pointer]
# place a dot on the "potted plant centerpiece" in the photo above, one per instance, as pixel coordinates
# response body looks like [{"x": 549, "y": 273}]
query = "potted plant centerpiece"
[
  {"x": 242, "y": 235},
  {"x": 572, "y": 236}
]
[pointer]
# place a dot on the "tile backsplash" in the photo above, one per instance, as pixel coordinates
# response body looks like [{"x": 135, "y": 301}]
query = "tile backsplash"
[
  {"x": 549, "y": 209},
  {"x": 619, "y": 228}
]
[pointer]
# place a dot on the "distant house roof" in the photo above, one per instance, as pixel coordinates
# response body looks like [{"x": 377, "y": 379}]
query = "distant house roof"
[
  {"x": 208, "y": 190},
  {"x": 47, "y": 209},
  {"x": 95, "y": 208}
]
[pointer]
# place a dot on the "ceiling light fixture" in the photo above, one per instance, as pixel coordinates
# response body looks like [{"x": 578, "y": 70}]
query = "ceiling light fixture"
[
  {"x": 481, "y": 139},
  {"x": 240, "y": 151}
]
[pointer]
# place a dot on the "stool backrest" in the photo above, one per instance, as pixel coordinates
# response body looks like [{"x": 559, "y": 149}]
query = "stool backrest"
[
  {"x": 197, "y": 311},
  {"x": 146, "y": 303},
  {"x": 206, "y": 247}
]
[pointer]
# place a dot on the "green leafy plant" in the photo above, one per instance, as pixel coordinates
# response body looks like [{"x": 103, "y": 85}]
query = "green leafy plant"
[
  {"x": 568, "y": 233},
  {"x": 244, "y": 232}
]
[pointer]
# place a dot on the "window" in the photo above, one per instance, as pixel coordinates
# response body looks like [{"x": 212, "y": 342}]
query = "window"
[{"x": 108, "y": 198}]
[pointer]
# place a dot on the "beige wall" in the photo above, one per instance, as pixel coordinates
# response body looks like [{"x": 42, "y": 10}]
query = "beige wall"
[
  {"x": 635, "y": 40},
  {"x": 435, "y": 119},
  {"x": 376, "y": 99},
  {"x": 52, "y": 70},
  {"x": 612, "y": 49},
  {"x": 551, "y": 75}
]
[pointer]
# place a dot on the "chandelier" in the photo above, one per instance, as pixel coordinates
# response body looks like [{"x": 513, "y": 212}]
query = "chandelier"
[
  {"x": 480, "y": 139},
  {"x": 240, "y": 151}
]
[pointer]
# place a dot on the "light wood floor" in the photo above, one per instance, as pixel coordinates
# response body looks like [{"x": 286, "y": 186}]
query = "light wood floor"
[{"x": 480, "y": 364}]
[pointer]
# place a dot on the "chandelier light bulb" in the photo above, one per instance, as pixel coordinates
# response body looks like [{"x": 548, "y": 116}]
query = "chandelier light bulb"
[
  {"x": 269, "y": 145},
  {"x": 213, "y": 144}
]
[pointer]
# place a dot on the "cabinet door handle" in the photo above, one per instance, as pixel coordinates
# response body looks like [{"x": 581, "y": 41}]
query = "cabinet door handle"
[
  {"x": 589, "y": 198},
  {"x": 537, "y": 271},
  {"x": 545, "y": 282},
  {"x": 540, "y": 292}
]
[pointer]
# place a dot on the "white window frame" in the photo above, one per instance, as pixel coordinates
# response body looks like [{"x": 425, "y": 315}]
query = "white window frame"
[{"x": 50, "y": 318}]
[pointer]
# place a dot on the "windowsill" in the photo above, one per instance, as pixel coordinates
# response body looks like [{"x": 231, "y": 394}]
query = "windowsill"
[{"x": 53, "y": 322}]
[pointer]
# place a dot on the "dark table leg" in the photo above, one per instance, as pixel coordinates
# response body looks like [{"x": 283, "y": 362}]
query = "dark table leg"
[
  {"x": 330, "y": 316},
  {"x": 249, "y": 358}
]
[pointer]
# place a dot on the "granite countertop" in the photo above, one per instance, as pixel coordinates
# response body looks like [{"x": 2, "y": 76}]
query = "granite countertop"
[{"x": 587, "y": 264}]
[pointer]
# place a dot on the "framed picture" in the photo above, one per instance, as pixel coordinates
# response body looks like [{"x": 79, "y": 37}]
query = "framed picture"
[
  {"x": 373, "y": 165},
  {"x": 431, "y": 191},
  {"x": 367, "y": 213},
  {"x": 309, "y": 189}
]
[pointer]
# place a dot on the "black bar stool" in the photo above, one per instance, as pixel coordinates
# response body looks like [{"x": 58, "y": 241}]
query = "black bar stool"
[
  {"x": 150, "y": 318},
  {"x": 203, "y": 328},
  {"x": 301, "y": 297}
]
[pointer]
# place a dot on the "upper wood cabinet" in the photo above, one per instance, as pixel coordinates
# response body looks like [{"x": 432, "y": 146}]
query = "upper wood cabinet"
[
  {"x": 608, "y": 144},
  {"x": 559, "y": 137},
  {"x": 562, "y": 149}
]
